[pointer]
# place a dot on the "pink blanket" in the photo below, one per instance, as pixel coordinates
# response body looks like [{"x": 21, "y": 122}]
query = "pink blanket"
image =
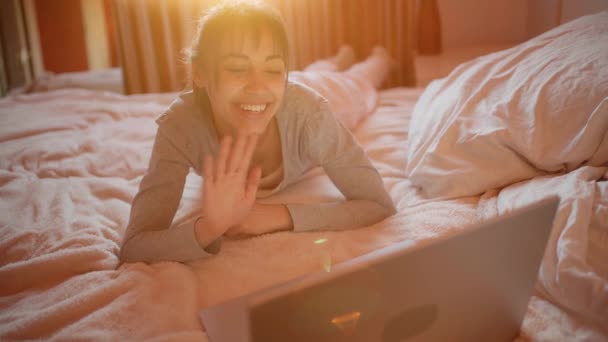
[{"x": 71, "y": 160}]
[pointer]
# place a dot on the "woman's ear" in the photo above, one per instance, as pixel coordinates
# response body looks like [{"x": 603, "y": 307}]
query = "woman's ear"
[{"x": 198, "y": 76}]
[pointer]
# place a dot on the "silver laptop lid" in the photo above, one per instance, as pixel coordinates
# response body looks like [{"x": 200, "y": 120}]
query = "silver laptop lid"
[{"x": 470, "y": 286}]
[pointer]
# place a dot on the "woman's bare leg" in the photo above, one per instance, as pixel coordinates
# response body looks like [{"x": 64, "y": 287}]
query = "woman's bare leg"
[
  {"x": 375, "y": 68},
  {"x": 344, "y": 59}
]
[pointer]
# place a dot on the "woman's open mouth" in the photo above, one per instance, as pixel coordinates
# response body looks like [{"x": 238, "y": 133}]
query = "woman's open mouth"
[{"x": 253, "y": 109}]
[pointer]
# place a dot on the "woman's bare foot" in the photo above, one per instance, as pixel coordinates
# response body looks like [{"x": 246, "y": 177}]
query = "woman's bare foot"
[
  {"x": 345, "y": 57},
  {"x": 375, "y": 68},
  {"x": 381, "y": 51}
]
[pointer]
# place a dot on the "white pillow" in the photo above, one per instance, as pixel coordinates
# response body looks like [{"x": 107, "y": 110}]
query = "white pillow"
[{"x": 536, "y": 108}]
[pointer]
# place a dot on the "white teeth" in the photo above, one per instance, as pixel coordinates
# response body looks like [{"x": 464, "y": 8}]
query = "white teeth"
[{"x": 253, "y": 108}]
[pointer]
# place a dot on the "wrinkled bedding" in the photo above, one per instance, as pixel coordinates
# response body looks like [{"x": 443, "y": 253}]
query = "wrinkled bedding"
[
  {"x": 521, "y": 124},
  {"x": 540, "y": 107},
  {"x": 71, "y": 161}
]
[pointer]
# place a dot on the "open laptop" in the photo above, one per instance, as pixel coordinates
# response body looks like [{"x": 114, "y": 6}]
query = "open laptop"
[{"x": 470, "y": 286}]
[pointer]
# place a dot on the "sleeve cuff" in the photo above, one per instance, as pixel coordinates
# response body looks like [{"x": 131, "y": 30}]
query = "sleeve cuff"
[
  {"x": 190, "y": 242},
  {"x": 214, "y": 247}
]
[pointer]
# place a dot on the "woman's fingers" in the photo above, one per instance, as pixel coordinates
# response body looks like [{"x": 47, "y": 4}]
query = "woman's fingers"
[
  {"x": 208, "y": 168},
  {"x": 253, "y": 181},
  {"x": 252, "y": 141},
  {"x": 223, "y": 156},
  {"x": 236, "y": 155}
]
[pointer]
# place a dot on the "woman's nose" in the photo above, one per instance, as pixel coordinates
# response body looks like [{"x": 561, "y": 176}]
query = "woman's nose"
[{"x": 255, "y": 81}]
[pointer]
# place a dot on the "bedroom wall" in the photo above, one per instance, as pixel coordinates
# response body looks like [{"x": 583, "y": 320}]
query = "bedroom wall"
[
  {"x": 468, "y": 23},
  {"x": 472, "y": 28},
  {"x": 465, "y": 23},
  {"x": 542, "y": 16},
  {"x": 71, "y": 35},
  {"x": 575, "y": 8},
  {"x": 545, "y": 14},
  {"x": 62, "y": 40},
  {"x": 15, "y": 69}
]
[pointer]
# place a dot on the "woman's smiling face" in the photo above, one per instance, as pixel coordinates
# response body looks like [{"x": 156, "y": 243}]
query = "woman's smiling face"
[{"x": 248, "y": 82}]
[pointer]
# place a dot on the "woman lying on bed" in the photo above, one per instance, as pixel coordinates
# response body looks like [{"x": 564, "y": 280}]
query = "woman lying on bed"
[{"x": 251, "y": 132}]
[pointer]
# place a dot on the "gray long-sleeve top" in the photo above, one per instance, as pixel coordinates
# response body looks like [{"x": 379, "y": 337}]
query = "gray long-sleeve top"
[{"x": 310, "y": 136}]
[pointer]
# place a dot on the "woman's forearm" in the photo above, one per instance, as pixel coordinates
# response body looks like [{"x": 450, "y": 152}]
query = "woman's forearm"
[
  {"x": 280, "y": 219},
  {"x": 348, "y": 214},
  {"x": 262, "y": 219},
  {"x": 177, "y": 243}
]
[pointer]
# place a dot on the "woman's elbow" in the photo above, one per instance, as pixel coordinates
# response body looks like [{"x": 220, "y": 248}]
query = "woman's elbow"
[
  {"x": 389, "y": 210},
  {"x": 384, "y": 211},
  {"x": 126, "y": 254},
  {"x": 392, "y": 210}
]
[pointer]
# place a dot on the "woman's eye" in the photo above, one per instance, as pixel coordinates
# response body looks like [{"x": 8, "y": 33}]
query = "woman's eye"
[
  {"x": 235, "y": 67},
  {"x": 236, "y": 70}
]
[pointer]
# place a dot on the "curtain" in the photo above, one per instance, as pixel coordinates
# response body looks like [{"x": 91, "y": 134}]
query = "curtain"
[{"x": 153, "y": 33}]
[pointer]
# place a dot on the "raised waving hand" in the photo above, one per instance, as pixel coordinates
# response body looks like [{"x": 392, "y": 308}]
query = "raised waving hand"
[{"x": 230, "y": 188}]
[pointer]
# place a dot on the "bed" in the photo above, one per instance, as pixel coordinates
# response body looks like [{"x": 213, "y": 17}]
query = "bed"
[
  {"x": 105, "y": 79},
  {"x": 71, "y": 160}
]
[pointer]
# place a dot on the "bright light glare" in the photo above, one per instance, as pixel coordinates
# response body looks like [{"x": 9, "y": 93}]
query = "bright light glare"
[{"x": 347, "y": 323}]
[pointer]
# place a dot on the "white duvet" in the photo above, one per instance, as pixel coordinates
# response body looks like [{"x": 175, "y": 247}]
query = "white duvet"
[
  {"x": 538, "y": 108},
  {"x": 521, "y": 124}
]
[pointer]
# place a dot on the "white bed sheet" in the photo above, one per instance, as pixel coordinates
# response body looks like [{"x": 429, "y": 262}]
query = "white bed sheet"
[
  {"x": 71, "y": 161},
  {"x": 108, "y": 79}
]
